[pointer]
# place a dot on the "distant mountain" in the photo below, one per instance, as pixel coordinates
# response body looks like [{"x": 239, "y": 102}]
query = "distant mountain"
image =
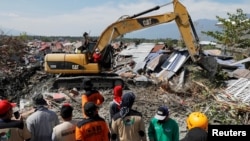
[
  {"x": 170, "y": 30},
  {"x": 8, "y": 31},
  {"x": 206, "y": 25}
]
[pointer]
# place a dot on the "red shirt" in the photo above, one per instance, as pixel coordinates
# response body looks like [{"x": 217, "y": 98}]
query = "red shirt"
[{"x": 97, "y": 57}]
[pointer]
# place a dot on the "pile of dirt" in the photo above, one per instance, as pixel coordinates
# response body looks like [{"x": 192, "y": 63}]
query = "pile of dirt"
[{"x": 15, "y": 75}]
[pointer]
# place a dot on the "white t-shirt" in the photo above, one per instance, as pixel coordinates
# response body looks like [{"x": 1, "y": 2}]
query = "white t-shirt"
[{"x": 64, "y": 131}]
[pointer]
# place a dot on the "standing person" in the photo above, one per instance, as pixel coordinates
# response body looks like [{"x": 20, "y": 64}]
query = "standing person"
[
  {"x": 115, "y": 105},
  {"x": 197, "y": 124},
  {"x": 85, "y": 42},
  {"x": 90, "y": 94},
  {"x": 66, "y": 130},
  {"x": 42, "y": 121},
  {"x": 162, "y": 127},
  {"x": 128, "y": 124},
  {"x": 92, "y": 127},
  {"x": 11, "y": 130}
]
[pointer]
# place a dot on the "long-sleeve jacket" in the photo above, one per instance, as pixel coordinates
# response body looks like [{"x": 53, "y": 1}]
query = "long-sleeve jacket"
[{"x": 129, "y": 128}]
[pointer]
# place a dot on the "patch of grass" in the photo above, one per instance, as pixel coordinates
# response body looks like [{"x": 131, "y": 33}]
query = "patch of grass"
[{"x": 218, "y": 81}]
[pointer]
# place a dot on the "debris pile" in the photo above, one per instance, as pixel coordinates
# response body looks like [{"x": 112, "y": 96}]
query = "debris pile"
[{"x": 15, "y": 72}]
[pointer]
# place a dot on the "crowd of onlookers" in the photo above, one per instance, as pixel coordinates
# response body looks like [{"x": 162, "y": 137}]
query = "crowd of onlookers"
[{"x": 124, "y": 124}]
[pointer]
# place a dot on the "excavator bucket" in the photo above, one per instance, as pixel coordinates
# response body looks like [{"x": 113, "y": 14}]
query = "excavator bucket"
[{"x": 210, "y": 64}]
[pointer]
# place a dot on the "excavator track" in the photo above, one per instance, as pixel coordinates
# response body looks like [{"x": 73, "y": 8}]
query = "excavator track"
[{"x": 101, "y": 81}]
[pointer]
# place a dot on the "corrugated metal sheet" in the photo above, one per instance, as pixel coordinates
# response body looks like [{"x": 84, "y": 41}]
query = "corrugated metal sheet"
[
  {"x": 139, "y": 52},
  {"x": 228, "y": 64},
  {"x": 152, "y": 55},
  {"x": 173, "y": 64},
  {"x": 138, "y": 66},
  {"x": 240, "y": 90},
  {"x": 154, "y": 62},
  {"x": 241, "y": 73},
  {"x": 165, "y": 75},
  {"x": 175, "y": 61},
  {"x": 241, "y": 61}
]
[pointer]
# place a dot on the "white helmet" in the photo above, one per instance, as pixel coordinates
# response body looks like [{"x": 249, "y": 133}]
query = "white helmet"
[{"x": 97, "y": 50}]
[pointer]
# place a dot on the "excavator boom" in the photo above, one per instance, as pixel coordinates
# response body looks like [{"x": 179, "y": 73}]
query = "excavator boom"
[{"x": 133, "y": 23}]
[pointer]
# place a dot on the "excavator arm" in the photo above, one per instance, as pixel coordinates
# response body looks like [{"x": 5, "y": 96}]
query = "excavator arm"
[
  {"x": 133, "y": 23},
  {"x": 183, "y": 21},
  {"x": 128, "y": 25}
]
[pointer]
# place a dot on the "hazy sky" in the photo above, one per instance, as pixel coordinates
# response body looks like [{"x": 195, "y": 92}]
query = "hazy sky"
[{"x": 73, "y": 17}]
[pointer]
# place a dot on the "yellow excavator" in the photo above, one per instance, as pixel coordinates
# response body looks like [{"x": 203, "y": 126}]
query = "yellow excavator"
[{"x": 73, "y": 68}]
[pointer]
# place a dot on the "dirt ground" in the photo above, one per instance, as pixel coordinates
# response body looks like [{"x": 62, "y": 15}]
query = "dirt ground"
[{"x": 148, "y": 99}]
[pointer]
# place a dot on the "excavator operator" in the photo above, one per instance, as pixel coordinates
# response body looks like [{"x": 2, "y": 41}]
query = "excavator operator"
[{"x": 85, "y": 42}]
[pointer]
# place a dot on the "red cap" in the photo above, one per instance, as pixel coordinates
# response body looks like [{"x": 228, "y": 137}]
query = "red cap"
[
  {"x": 5, "y": 106},
  {"x": 66, "y": 104}
]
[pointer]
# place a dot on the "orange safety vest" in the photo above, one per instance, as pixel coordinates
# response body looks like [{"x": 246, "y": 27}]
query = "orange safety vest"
[{"x": 92, "y": 129}]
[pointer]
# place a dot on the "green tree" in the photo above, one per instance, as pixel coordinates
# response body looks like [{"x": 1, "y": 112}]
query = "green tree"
[
  {"x": 235, "y": 30},
  {"x": 23, "y": 36},
  {"x": 169, "y": 42}
]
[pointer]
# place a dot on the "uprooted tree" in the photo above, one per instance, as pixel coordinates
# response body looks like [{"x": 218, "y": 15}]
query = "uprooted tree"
[{"x": 235, "y": 30}]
